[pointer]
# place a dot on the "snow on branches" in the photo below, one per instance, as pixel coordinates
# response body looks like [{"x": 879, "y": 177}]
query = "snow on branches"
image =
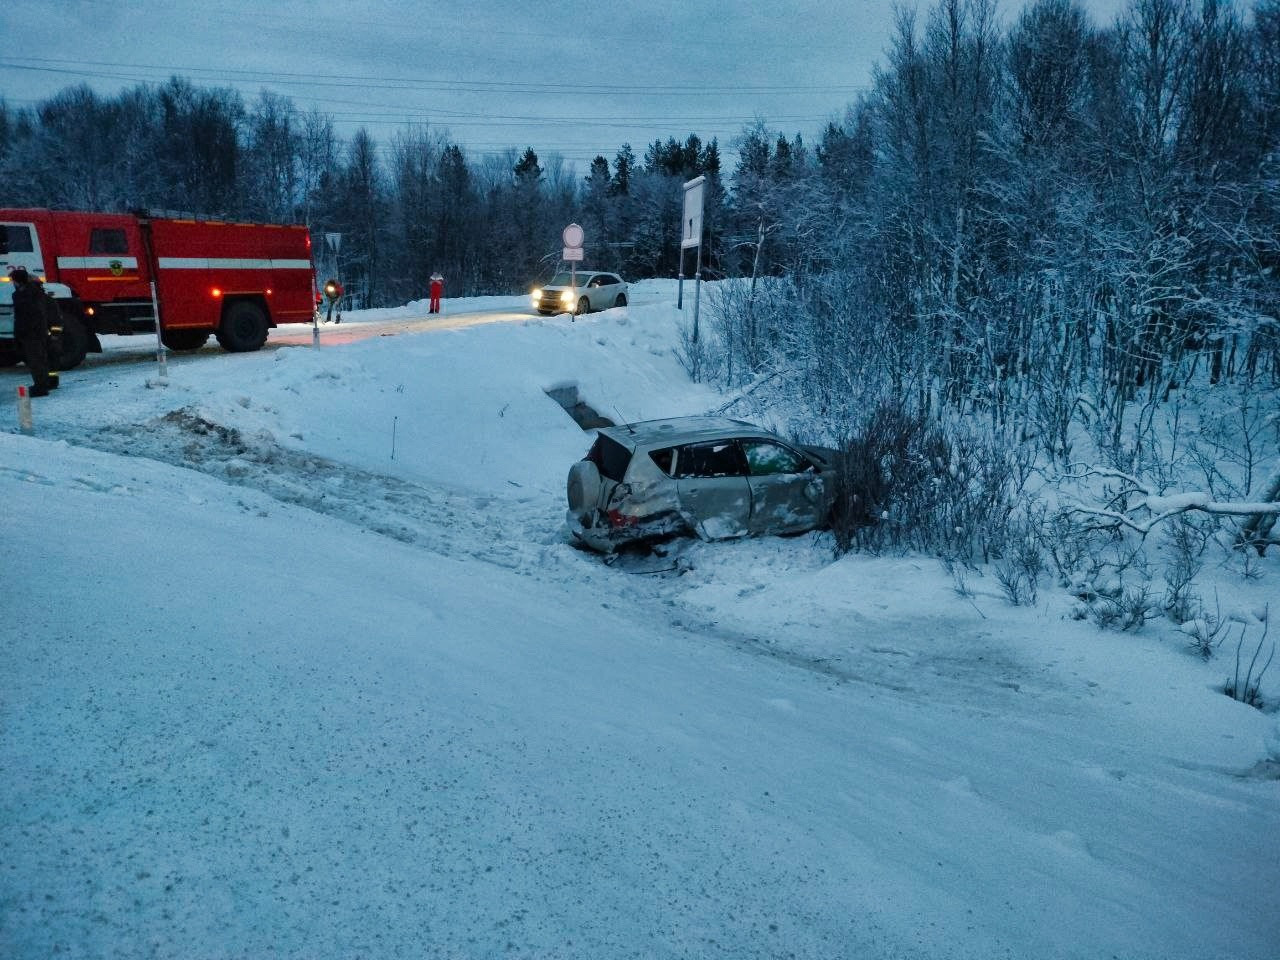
[{"x": 1139, "y": 508}]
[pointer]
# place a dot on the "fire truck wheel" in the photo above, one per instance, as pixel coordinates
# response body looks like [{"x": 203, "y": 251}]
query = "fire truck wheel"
[
  {"x": 244, "y": 327},
  {"x": 184, "y": 339},
  {"x": 67, "y": 349}
]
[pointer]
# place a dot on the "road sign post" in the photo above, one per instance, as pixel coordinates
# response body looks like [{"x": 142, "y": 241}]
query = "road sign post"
[
  {"x": 691, "y": 236},
  {"x": 572, "y": 237}
]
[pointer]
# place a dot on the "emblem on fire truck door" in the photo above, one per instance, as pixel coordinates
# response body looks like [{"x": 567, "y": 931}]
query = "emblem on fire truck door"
[{"x": 116, "y": 267}]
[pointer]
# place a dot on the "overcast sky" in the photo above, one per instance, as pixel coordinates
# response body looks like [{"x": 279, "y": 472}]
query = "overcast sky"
[{"x": 575, "y": 79}]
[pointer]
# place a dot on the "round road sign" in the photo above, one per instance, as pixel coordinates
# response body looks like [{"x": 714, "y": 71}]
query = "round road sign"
[{"x": 572, "y": 235}]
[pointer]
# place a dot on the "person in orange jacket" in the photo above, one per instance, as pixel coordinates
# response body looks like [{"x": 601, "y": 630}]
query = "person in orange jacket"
[{"x": 437, "y": 289}]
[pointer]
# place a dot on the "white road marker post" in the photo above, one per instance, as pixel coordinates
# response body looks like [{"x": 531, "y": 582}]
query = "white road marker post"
[
  {"x": 24, "y": 411},
  {"x": 162, "y": 359}
]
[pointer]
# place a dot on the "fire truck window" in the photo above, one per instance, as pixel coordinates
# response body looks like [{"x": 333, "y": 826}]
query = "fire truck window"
[
  {"x": 102, "y": 240},
  {"x": 15, "y": 238}
]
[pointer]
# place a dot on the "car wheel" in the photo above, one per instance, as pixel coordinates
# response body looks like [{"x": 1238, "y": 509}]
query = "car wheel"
[
  {"x": 584, "y": 305},
  {"x": 184, "y": 339},
  {"x": 620, "y": 300},
  {"x": 584, "y": 487},
  {"x": 243, "y": 328}
]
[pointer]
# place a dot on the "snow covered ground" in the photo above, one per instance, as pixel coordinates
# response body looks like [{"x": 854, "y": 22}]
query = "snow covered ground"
[{"x": 298, "y": 663}]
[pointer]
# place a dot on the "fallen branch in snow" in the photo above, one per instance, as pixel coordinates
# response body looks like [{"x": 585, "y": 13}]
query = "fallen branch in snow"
[
  {"x": 745, "y": 392},
  {"x": 1161, "y": 508},
  {"x": 1256, "y": 531}
]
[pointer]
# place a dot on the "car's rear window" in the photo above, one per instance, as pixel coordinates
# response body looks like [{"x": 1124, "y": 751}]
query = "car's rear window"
[
  {"x": 664, "y": 458},
  {"x": 610, "y": 457}
]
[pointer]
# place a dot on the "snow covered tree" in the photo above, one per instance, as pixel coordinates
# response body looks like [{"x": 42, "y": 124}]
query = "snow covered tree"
[
  {"x": 271, "y": 186},
  {"x": 359, "y": 214}
]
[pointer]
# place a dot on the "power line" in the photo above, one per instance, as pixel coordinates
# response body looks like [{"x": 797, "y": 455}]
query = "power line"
[
  {"x": 402, "y": 84},
  {"x": 522, "y": 127}
]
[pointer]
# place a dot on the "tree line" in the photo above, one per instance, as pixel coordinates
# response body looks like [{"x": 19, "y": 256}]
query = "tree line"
[{"x": 405, "y": 208}]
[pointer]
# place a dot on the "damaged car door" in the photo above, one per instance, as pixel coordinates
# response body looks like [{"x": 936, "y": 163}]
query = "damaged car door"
[
  {"x": 786, "y": 488},
  {"x": 711, "y": 483}
]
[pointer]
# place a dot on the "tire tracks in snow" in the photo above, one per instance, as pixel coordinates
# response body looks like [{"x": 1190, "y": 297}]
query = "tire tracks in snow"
[
  {"x": 511, "y": 533},
  {"x": 489, "y": 529}
]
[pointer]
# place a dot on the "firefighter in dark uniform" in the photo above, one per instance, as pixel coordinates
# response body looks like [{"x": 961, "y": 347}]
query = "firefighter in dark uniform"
[{"x": 31, "y": 329}]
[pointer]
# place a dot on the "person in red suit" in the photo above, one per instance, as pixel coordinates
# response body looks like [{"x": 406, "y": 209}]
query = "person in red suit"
[{"x": 437, "y": 290}]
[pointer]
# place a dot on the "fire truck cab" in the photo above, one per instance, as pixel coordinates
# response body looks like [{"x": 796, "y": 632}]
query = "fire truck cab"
[
  {"x": 20, "y": 248},
  {"x": 112, "y": 272}
]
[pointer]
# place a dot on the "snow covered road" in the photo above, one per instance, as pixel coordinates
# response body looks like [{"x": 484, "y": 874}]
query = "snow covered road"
[{"x": 270, "y": 692}]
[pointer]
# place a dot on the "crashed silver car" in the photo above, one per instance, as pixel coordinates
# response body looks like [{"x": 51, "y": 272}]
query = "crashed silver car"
[{"x": 711, "y": 477}]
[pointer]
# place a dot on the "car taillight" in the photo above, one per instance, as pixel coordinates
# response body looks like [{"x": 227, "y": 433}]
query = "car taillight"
[{"x": 618, "y": 519}]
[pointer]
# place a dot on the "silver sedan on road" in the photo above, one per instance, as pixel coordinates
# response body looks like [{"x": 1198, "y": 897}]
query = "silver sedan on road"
[{"x": 580, "y": 292}]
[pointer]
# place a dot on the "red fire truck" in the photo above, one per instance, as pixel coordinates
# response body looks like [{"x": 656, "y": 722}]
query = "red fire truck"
[{"x": 110, "y": 271}]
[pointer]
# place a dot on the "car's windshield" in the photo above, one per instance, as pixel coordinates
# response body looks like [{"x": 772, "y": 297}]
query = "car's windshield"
[{"x": 563, "y": 280}]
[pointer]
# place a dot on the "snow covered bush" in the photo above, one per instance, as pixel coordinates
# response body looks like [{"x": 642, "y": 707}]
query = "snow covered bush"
[
  {"x": 1186, "y": 540},
  {"x": 1245, "y": 685},
  {"x": 1128, "y": 611},
  {"x": 907, "y": 481},
  {"x": 1019, "y": 569}
]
